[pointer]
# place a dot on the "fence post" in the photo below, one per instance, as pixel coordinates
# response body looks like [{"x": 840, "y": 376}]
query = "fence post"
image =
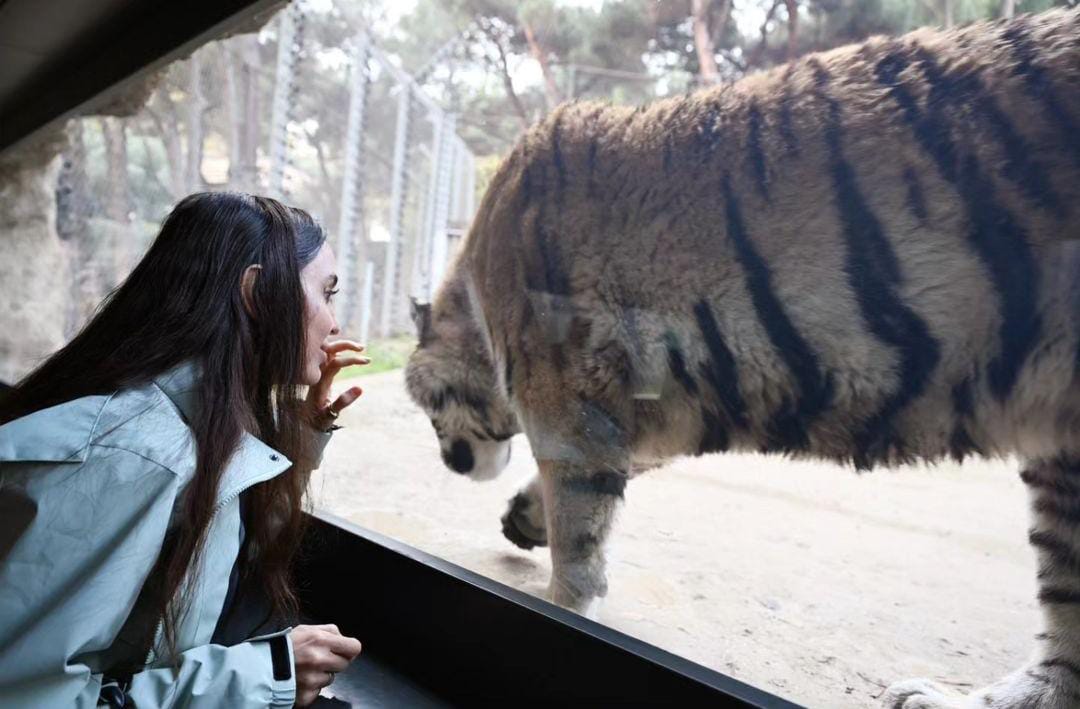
[
  {"x": 440, "y": 213},
  {"x": 397, "y": 209},
  {"x": 290, "y": 37},
  {"x": 421, "y": 261},
  {"x": 351, "y": 249},
  {"x": 365, "y": 300}
]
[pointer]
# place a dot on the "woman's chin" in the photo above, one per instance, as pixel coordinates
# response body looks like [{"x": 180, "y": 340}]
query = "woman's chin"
[{"x": 312, "y": 375}]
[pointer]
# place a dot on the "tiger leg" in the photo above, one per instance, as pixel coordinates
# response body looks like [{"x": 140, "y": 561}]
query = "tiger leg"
[
  {"x": 580, "y": 503},
  {"x": 523, "y": 523},
  {"x": 1051, "y": 679}
]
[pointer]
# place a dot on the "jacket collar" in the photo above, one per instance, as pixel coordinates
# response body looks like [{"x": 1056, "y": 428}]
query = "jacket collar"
[
  {"x": 253, "y": 461},
  {"x": 181, "y": 385}
]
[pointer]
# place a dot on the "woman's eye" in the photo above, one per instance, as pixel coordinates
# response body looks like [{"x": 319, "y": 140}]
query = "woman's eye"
[{"x": 331, "y": 293}]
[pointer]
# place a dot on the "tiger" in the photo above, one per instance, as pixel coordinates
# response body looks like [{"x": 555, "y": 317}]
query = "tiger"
[{"x": 870, "y": 255}]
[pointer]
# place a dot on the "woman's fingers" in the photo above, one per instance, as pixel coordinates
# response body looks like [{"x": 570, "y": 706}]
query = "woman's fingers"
[
  {"x": 320, "y": 652},
  {"x": 336, "y": 364},
  {"x": 332, "y": 348},
  {"x": 318, "y": 398},
  {"x": 320, "y": 392},
  {"x": 311, "y": 640},
  {"x": 330, "y": 370},
  {"x": 335, "y": 662},
  {"x": 324, "y": 661},
  {"x": 346, "y": 399},
  {"x": 344, "y": 648}
]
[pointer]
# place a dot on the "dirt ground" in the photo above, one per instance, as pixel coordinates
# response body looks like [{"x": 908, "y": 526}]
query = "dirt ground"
[{"x": 807, "y": 580}]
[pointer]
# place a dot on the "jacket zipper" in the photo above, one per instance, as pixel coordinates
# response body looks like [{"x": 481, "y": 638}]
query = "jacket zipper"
[{"x": 217, "y": 508}]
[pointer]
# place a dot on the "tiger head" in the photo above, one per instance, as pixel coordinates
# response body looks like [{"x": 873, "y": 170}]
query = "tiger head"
[{"x": 451, "y": 377}]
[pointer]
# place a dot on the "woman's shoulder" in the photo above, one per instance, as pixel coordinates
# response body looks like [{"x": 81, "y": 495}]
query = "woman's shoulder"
[
  {"x": 144, "y": 421},
  {"x": 140, "y": 420}
]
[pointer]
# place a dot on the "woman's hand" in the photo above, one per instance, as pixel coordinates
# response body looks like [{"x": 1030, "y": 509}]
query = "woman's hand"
[
  {"x": 339, "y": 354},
  {"x": 319, "y": 651}
]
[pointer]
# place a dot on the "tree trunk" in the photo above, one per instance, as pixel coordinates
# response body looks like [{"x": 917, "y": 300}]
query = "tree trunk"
[
  {"x": 117, "y": 194},
  {"x": 504, "y": 69},
  {"x": 248, "y": 169},
  {"x": 234, "y": 108},
  {"x": 196, "y": 107},
  {"x": 793, "y": 28},
  {"x": 1008, "y": 8},
  {"x": 720, "y": 24},
  {"x": 72, "y": 187},
  {"x": 551, "y": 89},
  {"x": 163, "y": 112},
  {"x": 241, "y": 60},
  {"x": 72, "y": 210},
  {"x": 703, "y": 43},
  {"x": 759, "y": 51},
  {"x": 116, "y": 242},
  {"x": 327, "y": 191}
]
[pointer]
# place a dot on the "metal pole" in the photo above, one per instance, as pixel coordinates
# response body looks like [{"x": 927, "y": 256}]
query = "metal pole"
[
  {"x": 437, "y": 249},
  {"x": 351, "y": 251},
  {"x": 470, "y": 185},
  {"x": 365, "y": 300},
  {"x": 457, "y": 178},
  {"x": 397, "y": 209},
  {"x": 289, "y": 37},
  {"x": 420, "y": 286}
]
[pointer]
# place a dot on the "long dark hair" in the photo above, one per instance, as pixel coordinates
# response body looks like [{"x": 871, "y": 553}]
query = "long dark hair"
[{"x": 183, "y": 302}]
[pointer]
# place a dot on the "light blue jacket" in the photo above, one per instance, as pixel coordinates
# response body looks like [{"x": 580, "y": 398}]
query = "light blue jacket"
[{"x": 87, "y": 491}]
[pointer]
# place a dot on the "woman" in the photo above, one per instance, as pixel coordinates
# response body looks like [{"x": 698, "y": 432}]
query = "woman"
[{"x": 152, "y": 471}]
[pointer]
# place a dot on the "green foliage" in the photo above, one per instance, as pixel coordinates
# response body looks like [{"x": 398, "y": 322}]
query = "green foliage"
[{"x": 386, "y": 355}]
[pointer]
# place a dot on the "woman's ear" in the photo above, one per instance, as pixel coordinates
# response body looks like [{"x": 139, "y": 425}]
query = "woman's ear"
[{"x": 247, "y": 288}]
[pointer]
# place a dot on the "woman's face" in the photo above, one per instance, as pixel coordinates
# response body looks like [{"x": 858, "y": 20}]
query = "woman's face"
[{"x": 319, "y": 279}]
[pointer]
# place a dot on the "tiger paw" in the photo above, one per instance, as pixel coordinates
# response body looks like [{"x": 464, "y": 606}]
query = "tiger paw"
[
  {"x": 919, "y": 694},
  {"x": 523, "y": 523},
  {"x": 1044, "y": 685}
]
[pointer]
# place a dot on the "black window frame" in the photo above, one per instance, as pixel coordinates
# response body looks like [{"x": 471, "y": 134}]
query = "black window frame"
[{"x": 469, "y": 639}]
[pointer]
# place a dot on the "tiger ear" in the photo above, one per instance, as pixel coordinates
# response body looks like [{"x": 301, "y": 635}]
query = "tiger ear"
[{"x": 421, "y": 317}]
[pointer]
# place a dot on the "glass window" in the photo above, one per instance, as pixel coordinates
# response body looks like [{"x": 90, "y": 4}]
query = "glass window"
[{"x": 388, "y": 121}]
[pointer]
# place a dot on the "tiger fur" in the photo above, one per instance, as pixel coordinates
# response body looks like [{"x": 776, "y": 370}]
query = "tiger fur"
[{"x": 869, "y": 256}]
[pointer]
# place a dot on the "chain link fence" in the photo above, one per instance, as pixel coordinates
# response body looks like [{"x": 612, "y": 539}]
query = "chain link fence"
[{"x": 346, "y": 135}]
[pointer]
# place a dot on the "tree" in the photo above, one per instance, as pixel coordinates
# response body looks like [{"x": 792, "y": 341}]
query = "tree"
[
  {"x": 703, "y": 41},
  {"x": 544, "y": 27},
  {"x": 196, "y": 108}
]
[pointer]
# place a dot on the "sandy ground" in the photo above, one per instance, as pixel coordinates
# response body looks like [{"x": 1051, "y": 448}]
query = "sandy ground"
[{"x": 806, "y": 580}]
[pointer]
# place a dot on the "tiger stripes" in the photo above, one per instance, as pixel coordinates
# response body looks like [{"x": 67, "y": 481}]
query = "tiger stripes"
[{"x": 870, "y": 256}]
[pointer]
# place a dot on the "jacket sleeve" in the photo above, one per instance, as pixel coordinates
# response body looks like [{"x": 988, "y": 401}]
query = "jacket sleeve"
[
  {"x": 317, "y": 446},
  {"x": 72, "y": 578},
  {"x": 256, "y": 673}
]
